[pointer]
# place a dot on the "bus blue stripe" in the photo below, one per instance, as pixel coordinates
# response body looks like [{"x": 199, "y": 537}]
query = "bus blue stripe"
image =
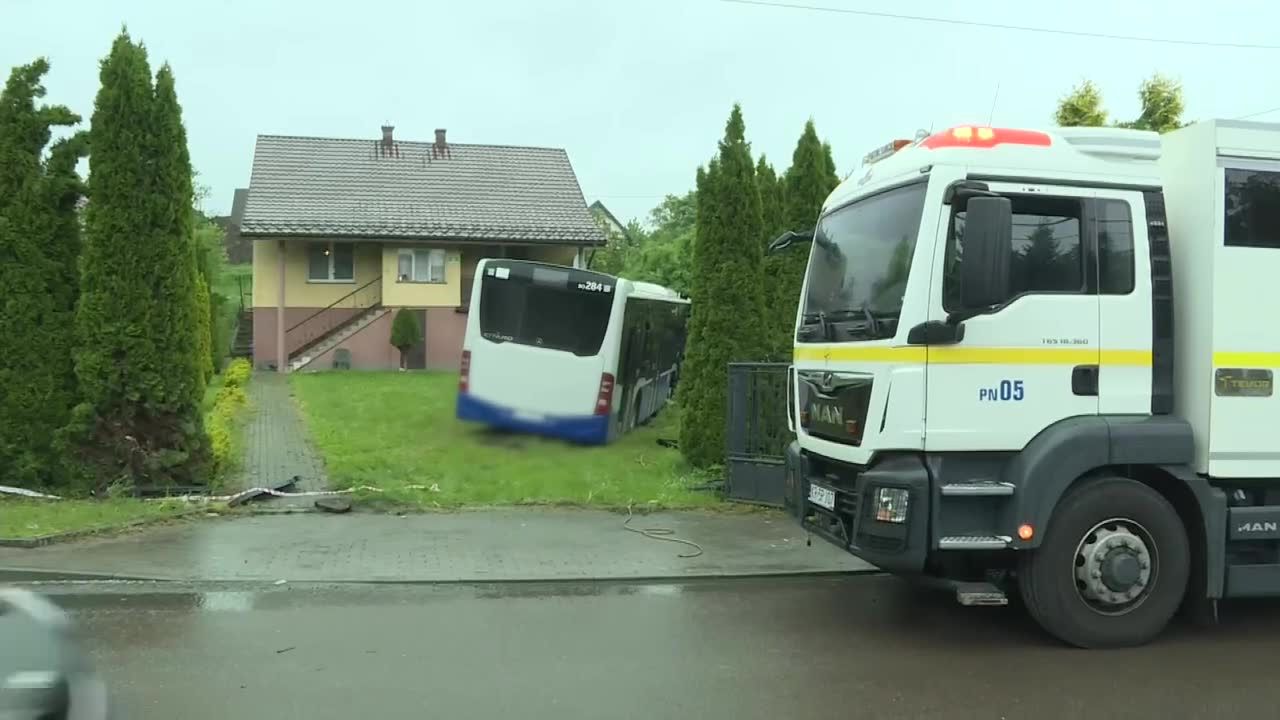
[{"x": 592, "y": 429}]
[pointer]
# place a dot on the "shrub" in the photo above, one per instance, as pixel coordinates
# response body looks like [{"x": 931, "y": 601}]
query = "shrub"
[
  {"x": 221, "y": 425},
  {"x": 405, "y": 332},
  {"x": 237, "y": 373}
]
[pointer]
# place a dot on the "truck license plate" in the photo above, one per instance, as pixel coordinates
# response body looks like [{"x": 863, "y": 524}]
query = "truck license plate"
[{"x": 824, "y": 497}]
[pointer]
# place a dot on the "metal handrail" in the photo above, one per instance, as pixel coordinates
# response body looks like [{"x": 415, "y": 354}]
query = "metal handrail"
[
  {"x": 314, "y": 326},
  {"x": 334, "y": 304}
]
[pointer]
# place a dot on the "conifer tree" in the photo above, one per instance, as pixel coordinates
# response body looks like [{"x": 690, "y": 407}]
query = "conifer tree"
[
  {"x": 727, "y": 318},
  {"x": 38, "y": 246}
]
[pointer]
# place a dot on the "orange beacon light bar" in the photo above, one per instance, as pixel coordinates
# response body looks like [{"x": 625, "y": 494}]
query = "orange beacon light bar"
[{"x": 984, "y": 137}]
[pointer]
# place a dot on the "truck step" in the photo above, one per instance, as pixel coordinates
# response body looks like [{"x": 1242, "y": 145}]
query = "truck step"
[
  {"x": 980, "y": 593},
  {"x": 978, "y": 489},
  {"x": 974, "y": 542}
]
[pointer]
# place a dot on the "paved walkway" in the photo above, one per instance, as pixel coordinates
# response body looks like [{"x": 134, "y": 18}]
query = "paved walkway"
[
  {"x": 276, "y": 443},
  {"x": 512, "y": 544}
]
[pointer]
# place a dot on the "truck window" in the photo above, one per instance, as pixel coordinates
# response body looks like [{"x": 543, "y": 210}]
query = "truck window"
[
  {"x": 1252, "y": 208},
  {"x": 861, "y": 260},
  {"x": 1046, "y": 249},
  {"x": 1115, "y": 247}
]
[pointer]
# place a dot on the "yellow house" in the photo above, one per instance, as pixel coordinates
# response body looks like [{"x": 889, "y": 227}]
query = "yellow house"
[{"x": 347, "y": 232}]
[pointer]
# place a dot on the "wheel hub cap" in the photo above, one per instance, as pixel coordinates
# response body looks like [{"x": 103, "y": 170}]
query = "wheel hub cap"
[
  {"x": 1120, "y": 570},
  {"x": 1113, "y": 565}
]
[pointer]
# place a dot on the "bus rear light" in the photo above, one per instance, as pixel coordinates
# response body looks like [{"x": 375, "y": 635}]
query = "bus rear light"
[
  {"x": 604, "y": 398},
  {"x": 984, "y": 137},
  {"x": 464, "y": 374}
]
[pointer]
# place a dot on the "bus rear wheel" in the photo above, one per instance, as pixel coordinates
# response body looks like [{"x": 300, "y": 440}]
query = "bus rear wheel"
[{"x": 1112, "y": 568}]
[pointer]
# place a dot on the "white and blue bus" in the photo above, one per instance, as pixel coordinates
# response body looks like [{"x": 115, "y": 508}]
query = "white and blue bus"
[{"x": 569, "y": 353}]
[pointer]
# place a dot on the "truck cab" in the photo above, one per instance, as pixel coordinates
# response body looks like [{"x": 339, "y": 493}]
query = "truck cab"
[{"x": 995, "y": 385}]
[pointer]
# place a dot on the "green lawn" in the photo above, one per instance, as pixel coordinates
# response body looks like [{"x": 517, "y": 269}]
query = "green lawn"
[
  {"x": 396, "y": 430},
  {"x": 25, "y": 518}
]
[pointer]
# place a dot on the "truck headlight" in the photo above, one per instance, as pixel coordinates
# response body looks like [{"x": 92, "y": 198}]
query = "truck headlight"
[{"x": 891, "y": 504}]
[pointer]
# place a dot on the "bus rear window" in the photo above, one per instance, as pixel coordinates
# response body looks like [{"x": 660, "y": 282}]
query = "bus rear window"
[{"x": 540, "y": 312}]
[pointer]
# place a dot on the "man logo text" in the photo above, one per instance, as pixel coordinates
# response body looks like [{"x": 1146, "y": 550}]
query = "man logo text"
[
  {"x": 1252, "y": 527},
  {"x": 829, "y": 414}
]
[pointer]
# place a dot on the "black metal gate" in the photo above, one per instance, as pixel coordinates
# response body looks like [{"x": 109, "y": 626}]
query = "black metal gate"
[{"x": 756, "y": 437}]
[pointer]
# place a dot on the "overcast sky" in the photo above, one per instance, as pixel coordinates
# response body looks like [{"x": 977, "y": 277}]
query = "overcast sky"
[{"x": 637, "y": 91}]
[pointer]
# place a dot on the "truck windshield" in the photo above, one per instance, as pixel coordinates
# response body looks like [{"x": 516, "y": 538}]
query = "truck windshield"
[{"x": 858, "y": 267}]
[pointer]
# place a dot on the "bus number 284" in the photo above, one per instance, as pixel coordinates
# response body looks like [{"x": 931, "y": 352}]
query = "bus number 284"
[{"x": 595, "y": 286}]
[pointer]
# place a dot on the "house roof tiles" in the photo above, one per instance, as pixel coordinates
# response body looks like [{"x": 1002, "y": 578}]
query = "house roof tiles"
[{"x": 413, "y": 190}]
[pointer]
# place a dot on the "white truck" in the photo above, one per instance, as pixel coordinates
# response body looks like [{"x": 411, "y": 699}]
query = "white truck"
[{"x": 1043, "y": 360}]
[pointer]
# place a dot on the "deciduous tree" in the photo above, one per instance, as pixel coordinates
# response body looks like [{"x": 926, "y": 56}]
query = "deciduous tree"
[
  {"x": 1159, "y": 96},
  {"x": 1082, "y": 107}
]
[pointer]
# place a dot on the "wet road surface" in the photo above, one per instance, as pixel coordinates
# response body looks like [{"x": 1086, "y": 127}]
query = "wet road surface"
[
  {"x": 862, "y": 646},
  {"x": 523, "y": 544}
]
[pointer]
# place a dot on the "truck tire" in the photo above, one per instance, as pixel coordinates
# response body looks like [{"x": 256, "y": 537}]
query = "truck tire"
[{"x": 1112, "y": 568}]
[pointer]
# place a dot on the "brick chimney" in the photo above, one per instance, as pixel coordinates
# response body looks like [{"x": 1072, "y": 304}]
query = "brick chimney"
[
  {"x": 440, "y": 143},
  {"x": 387, "y": 147}
]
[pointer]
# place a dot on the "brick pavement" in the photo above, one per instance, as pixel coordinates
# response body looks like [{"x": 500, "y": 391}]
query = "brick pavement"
[{"x": 276, "y": 444}]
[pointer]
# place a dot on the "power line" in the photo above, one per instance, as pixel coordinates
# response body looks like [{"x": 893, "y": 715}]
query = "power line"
[
  {"x": 1261, "y": 112},
  {"x": 1001, "y": 26}
]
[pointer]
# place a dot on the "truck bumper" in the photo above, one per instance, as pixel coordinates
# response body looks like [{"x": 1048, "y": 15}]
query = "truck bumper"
[{"x": 898, "y": 547}]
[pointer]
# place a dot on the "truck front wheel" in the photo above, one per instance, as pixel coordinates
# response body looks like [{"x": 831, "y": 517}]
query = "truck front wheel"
[{"x": 1112, "y": 568}]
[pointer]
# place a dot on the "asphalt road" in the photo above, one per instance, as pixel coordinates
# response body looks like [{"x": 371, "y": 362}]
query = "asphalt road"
[{"x": 851, "y": 647}]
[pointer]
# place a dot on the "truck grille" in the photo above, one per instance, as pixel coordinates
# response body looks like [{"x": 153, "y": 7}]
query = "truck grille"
[{"x": 833, "y": 405}]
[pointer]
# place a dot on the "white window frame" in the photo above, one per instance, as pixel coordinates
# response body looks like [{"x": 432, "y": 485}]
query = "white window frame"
[
  {"x": 416, "y": 256},
  {"x": 332, "y": 247}
]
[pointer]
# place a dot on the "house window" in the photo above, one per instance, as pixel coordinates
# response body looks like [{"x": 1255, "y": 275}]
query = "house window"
[
  {"x": 421, "y": 265},
  {"x": 331, "y": 262}
]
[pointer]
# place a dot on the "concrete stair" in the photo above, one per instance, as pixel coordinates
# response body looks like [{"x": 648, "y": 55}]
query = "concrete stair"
[
  {"x": 242, "y": 344},
  {"x": 336, "y": 337}
]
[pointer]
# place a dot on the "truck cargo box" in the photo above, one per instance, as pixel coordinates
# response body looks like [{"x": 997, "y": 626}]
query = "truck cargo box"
[{"x": 1222, "y": 194}]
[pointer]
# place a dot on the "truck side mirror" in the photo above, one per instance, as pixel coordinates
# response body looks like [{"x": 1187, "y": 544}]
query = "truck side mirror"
[
  {"x": 787, "y": 239},
  {"x": 988, "y": 249}
]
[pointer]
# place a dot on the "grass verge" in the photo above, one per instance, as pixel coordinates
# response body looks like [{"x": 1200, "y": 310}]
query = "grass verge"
[
  {"x": 397, "y": 432},
  {"x": 26, "y": 518}
]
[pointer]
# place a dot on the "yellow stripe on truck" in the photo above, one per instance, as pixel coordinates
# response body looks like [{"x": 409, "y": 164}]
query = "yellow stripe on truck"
[
  {"x": 1246, "y": 359},
  {"x": 847, "y": 353},
  {"x": 975, "y": 356}
]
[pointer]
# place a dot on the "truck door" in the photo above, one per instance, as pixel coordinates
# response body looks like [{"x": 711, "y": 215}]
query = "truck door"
[
  {"x": 1034, "y": 359},
  {"x": 1125, "y": 316}
]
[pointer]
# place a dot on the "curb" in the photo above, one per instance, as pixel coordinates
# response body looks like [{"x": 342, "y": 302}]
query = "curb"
[
  {"x": 35, "y": 575},
  {"x": 42, "y": 540},
  {"x": 26, "y": 575}
]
